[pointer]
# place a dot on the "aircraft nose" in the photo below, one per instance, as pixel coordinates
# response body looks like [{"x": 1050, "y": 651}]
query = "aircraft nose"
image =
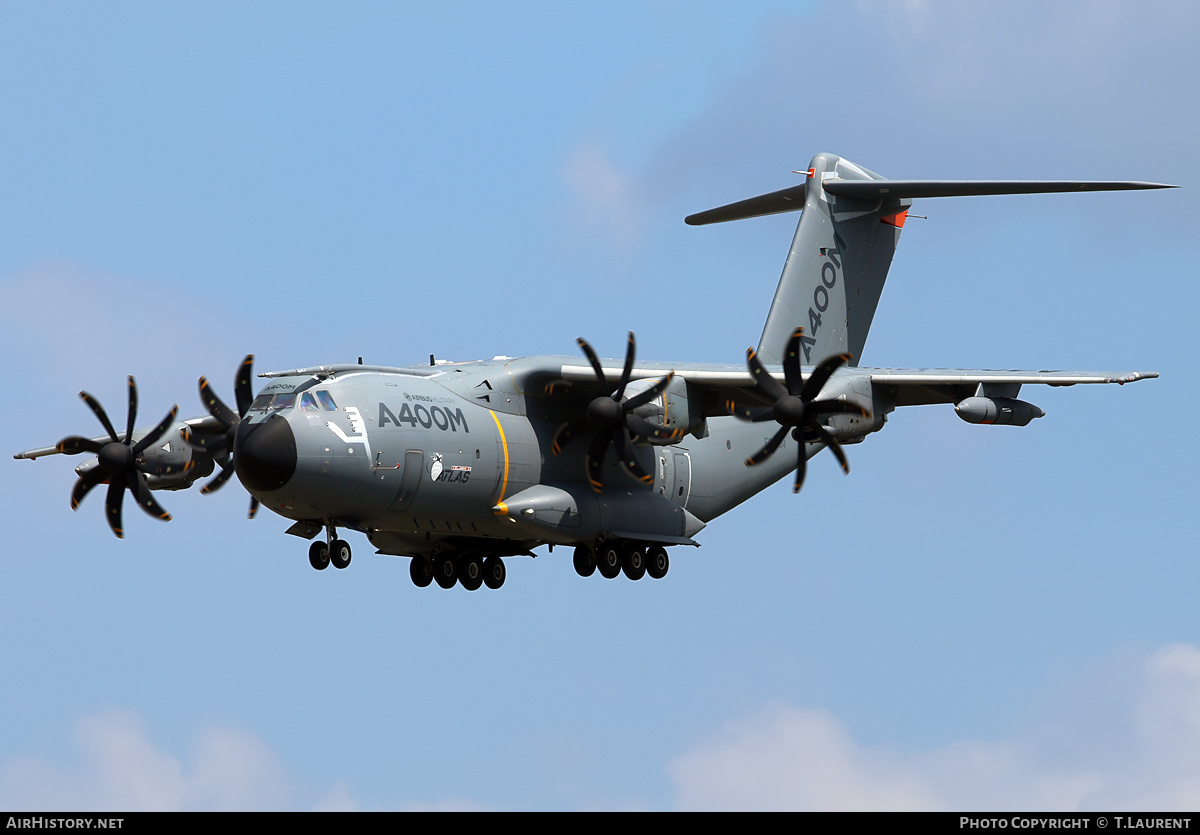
[{"x": 264, "y": 454}]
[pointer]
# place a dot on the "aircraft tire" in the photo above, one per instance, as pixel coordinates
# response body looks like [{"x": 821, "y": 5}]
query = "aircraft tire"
[
  {"x": 585, "y": 561},
  {"x": 420, "y": 570},
  {"x": 318, "y": 555},
  {"x": 657, "y": 562},
  {"x": 494, "y": 572},
  {"x": 470, "y": 573},
  {"x": 633, "y": 562},
  {"x": 445, "y": 572},
  {"x": 339, "y": 554},
  {"x": 608, "y": 560}
]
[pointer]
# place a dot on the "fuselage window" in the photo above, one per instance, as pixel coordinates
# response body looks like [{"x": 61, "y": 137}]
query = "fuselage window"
[
  {"x": 308, "y": 403},
  {"x": 326, "y": 401}
]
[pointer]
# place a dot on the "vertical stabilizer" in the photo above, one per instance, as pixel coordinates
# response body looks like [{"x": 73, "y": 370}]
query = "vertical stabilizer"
[
  {"x": 836, "y": 267},
  {"x": 844, "y": 244},
  {"x": 848, "y": 230}
]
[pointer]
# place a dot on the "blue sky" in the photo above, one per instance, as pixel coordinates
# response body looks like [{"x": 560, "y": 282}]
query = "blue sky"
[{"x": 974, "y": 617}]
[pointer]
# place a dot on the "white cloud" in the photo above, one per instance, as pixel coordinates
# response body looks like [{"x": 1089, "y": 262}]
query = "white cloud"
[
  {"x": 605, "y": 195},
  {"x": 121, "y": 769},
  {"x": 69, "y": 320},
  {"x": 796, "y": 758}
]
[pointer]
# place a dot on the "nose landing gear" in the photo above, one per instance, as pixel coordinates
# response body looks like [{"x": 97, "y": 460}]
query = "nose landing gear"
[{"x": 332, "y": 550}]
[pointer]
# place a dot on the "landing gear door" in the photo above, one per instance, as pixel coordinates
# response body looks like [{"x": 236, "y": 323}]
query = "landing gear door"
[{"x": 410, "y": 480}]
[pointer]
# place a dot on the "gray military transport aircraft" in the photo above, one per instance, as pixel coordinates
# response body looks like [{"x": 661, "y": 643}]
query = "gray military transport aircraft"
[{"x": 460, "y": 465}]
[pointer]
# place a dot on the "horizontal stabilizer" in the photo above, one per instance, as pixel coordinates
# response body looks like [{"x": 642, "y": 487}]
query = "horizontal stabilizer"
[
  {"x": 876, "y": 189},
  {"x": 777, "y": 202}
]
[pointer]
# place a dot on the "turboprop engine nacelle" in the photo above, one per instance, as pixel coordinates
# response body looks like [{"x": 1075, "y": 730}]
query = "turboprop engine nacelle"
[
  {"x": 850, "y": 428},
  {"x": 997, "y": 410}
]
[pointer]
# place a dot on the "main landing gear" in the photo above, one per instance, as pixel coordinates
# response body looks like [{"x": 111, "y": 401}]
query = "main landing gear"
[
  {"x": 468, "y": 570},
  {"x": 635, "y": 559},
  {"x": 332, "y": 550}
]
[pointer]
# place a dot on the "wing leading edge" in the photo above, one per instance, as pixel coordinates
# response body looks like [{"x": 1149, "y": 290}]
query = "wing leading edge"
[{"x": 910, "y": 386}]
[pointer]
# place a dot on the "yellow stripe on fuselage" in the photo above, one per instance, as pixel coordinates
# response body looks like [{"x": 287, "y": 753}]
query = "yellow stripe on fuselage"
[{"x": 504, "y": 446}]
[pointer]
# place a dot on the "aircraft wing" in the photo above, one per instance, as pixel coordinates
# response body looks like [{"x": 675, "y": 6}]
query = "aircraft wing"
[
  {"x": 206, "y": 422},
  {"x": 738, "y": 376},
  {"x": 917, "y": 386},
  {"x": 908, "y": 386}
]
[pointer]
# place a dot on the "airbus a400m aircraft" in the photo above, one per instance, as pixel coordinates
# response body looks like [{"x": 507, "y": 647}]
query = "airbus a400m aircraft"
[{"x": 461, "y": 465}]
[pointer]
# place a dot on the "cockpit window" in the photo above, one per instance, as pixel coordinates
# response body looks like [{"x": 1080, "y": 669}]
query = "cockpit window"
[
  {"x": 308, "y": 403},
  {"x": 326, "y": 401},
  {"x": 272, "y": 402}
]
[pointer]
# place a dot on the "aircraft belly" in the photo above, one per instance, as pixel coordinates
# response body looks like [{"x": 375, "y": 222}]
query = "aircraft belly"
[{"x": 720, "y": 478}]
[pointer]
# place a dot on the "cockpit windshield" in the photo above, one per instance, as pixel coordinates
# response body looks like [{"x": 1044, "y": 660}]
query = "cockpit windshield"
[{"x": 308, "y": 402}]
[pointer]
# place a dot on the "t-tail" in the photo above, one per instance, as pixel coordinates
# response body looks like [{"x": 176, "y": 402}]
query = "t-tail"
[{"x": 848, "y": 231}]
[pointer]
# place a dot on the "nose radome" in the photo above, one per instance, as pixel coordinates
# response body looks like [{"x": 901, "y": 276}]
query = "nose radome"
[{"x": 264, "y": 454}]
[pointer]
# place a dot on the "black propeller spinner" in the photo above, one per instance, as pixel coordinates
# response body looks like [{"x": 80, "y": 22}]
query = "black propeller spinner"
[
  {"x": 218, "y": 443},
  {"x": 614, "y": 423},
  {"x": 795, "y": 408},
  {"x": 121, "y": 462}
]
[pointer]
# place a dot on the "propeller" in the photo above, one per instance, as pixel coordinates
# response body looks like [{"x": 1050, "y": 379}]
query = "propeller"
[
  {"x": 795, "y": 407},
  {"x": 613, "y": 423},
  {"x": 121, "y": 463},
  {"x": 219, "y": 443}
]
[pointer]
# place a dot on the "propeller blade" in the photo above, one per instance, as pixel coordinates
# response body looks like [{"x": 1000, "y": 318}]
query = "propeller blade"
[
  {"x": 839, "y": 407},
  {"x": 764, "y": 381},
  {"x": 222, "y": 477},
  {"x": 630, "y": 352},
  {"x": 565, "y": 433},
  {"x": 755, "y": 414},
  {"x": 833, "y": 445},
  {"x": 85, "y": 484},
  {"x": 75, "y": 445},
  {"x": 156, "y": 432},
  {"x": 95, "y": 406},
  {"x": 611, "y": 420},
  {"x": 253, "y": 507},
  {"x": 242, "y": 390},
  {"x": 821, "y": 375},
  {"x": 112, "y": 505},
  {"x": 132, "y": 411},
  {"x": 639, "y": 400},
  {"x": 141, "y": 491},
  {"x": 207, "y": 440},
  {"x": 162, "y": 468},
  {"x": 594, "y": 462},
  {"x": 644, "y": 430},
  {"x": 791, "y": 363},
  {"x": 801, "y": 469},
  {"x": 628, "y": 459},
  {"x": 215, "y": 406},
  {"x": 593, "y": 359},
  {"x": 771, "y": 445}
]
